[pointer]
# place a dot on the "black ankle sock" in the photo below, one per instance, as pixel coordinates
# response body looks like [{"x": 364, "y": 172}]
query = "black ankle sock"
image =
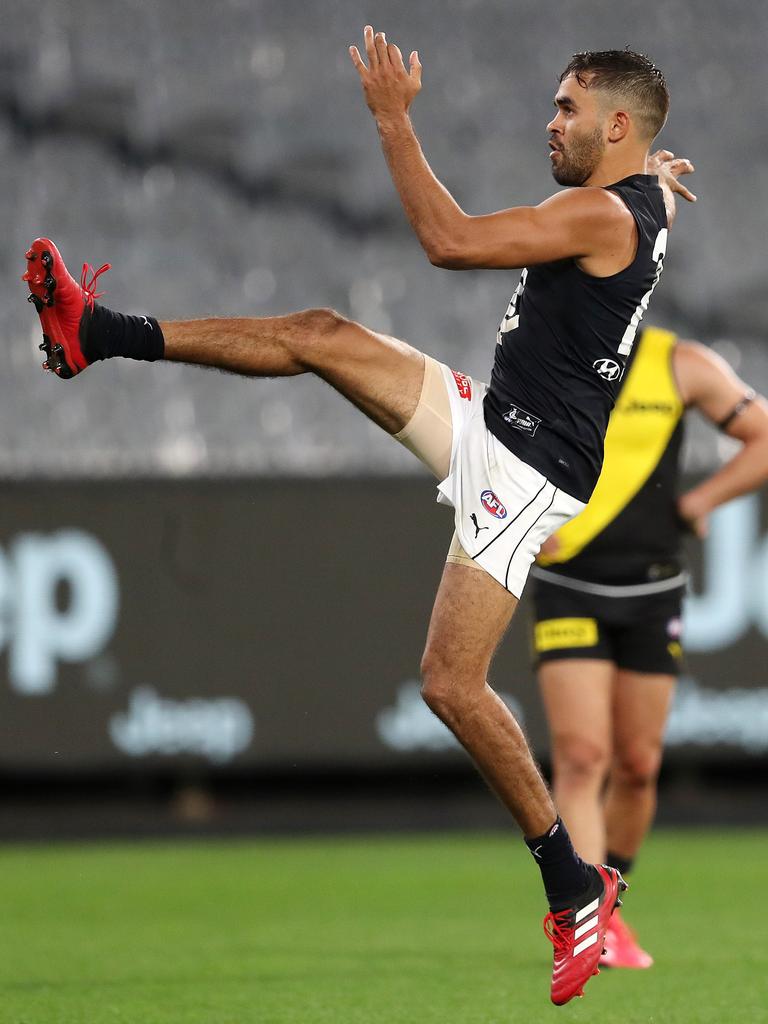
[
  {"x": 622, "y": 864},
  {"x": 564, "y": 873},
  {"x": 109, "y": 334}
]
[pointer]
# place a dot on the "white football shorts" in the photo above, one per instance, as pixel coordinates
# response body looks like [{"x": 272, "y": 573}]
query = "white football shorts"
[{"x": 504, "y": 509}]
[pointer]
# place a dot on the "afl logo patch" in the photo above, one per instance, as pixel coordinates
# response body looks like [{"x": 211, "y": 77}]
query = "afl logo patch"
[
  {"x": 492, "y": 504},
  {"x": 608, "y": 369}
]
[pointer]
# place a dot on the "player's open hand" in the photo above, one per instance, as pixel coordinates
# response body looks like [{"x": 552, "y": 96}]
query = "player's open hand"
[
  {"x": 669, "y": 168},
  {"x": 389, "y": 88}
]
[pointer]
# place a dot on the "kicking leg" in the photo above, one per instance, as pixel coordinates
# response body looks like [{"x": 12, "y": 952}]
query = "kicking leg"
[{"x": 379, "y": 374}]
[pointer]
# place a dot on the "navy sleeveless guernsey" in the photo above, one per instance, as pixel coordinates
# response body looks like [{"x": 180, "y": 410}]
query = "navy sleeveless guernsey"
[{"x": 562, "y": 348}]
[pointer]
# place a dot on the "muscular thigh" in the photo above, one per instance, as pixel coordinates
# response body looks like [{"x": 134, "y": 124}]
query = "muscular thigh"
[
  {"x": 381, "y": 375},
  {"x": 469, "y": 619}
]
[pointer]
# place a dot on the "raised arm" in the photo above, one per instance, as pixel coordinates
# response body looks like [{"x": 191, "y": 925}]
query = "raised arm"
[
  {"x": 708, "y": 383},
  {"x": 575, "y": 223}
]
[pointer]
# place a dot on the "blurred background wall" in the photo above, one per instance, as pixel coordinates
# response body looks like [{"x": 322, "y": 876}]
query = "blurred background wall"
[{"x": 168, "y": 614}]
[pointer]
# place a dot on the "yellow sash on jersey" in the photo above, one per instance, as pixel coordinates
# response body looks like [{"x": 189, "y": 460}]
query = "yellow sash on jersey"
[{"x": 641, "y": 425}]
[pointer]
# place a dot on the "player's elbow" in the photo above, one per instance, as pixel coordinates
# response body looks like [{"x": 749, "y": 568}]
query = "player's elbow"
[
  {"x": 451, "y": 246},
  {"x": 445, "y": 254}
]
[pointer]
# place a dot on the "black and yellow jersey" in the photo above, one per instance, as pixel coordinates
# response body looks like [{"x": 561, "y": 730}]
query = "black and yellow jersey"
[{"x": 630, "y": 532}]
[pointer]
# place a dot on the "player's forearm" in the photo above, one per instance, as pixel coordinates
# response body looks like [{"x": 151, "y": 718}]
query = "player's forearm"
[
  {"x": 434, "y": 214},
  {"x": 745, "y": 472}
]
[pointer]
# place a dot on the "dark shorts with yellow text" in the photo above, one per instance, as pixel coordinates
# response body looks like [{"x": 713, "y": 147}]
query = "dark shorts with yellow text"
[{"x": 640, "y": 634}]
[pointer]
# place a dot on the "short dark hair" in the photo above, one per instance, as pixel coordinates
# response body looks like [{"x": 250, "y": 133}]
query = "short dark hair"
[{"x": 629, "y": 75}]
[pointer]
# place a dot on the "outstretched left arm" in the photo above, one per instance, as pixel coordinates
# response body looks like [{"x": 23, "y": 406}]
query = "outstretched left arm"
[{"x": 707, "y": 383}]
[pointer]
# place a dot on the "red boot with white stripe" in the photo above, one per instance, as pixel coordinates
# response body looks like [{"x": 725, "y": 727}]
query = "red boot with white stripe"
[{"x": 578, "y": 933}]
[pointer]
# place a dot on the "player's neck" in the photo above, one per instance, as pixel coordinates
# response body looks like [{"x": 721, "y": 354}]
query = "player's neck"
[{"x": 609, "y": 171}]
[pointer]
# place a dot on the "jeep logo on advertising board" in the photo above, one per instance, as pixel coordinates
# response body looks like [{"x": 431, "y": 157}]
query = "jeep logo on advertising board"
[{"x": 36, "y": 627}]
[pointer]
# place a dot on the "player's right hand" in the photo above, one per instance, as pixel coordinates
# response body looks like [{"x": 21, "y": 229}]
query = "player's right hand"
[{"x": 669, "y": 168}]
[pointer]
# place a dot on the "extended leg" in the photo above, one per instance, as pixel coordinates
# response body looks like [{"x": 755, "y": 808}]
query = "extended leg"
[{"x": 379, "y": 374}]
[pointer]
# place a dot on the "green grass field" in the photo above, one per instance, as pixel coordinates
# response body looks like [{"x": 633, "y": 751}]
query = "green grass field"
[{"x": 438, "y": 930}]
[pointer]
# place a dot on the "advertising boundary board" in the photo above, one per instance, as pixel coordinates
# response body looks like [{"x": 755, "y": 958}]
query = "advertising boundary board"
[{"x": 278, "y": 624}]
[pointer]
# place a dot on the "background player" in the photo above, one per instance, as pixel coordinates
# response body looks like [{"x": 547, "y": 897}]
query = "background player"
[
  {"x": 521, "y": 456},
  {"x": 607, "y": 597}
]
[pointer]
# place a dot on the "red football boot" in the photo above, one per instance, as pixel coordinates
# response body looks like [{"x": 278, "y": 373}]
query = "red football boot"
[
  {"x": 63, "y": 305},
  {"x": 578, "y": 932},
  {"x": 621, "y": 948}
]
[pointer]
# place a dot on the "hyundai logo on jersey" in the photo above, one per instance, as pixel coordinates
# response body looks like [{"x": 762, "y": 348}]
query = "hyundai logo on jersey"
[
  {"x": 492, "y": 504},
  {"x": 608, "y": 369}
]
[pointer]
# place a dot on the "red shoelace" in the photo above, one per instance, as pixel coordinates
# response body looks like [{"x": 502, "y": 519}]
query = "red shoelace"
[
  {"x": 89, "y": 290},
  {"x": 560, "y": 929}
]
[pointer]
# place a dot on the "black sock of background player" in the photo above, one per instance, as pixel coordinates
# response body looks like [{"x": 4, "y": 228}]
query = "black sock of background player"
[
  {"x": 622, "y": 864},
  {"x": 564, "y": 873},
  {"x": 109, "y": 334}
]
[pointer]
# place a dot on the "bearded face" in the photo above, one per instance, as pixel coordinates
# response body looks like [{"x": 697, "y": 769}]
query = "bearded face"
[{"x": 576, "y": 157}]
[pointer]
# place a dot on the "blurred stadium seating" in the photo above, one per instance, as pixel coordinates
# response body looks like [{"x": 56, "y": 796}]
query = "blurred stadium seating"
[{"x": 221, "y": 157}]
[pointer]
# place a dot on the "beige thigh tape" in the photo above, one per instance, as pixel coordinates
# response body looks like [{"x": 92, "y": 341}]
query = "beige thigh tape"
[
  {"x": 458, "y": 555},
  {"x": 429, "y": 432}
]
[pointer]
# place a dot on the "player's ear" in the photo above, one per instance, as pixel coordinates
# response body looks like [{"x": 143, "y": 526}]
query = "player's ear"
[{"x": 618, "y": 126}]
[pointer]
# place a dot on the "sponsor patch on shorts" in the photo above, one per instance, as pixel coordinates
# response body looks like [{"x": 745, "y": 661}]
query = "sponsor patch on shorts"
[
  {"x": 463, "y": 384},
  {"x": 558, "y": 634},
  {"x": 522, "y": 420}
]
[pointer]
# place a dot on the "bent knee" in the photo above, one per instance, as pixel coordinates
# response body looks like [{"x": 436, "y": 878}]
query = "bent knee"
[
  {"x": 317, "y": 335},
  {"x": 322, "y": 321},
  {"x": 579, "y": 758}
]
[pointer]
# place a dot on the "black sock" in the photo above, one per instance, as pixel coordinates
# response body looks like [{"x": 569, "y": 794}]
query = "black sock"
[
  {"x": 622, "y": 864},
  {"x": 109, "y": 334},
  {"x": 564, "y": 873}
]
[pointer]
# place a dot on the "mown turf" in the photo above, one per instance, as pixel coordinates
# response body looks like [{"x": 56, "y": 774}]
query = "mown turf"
[{"x": 438, "y": 930}]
